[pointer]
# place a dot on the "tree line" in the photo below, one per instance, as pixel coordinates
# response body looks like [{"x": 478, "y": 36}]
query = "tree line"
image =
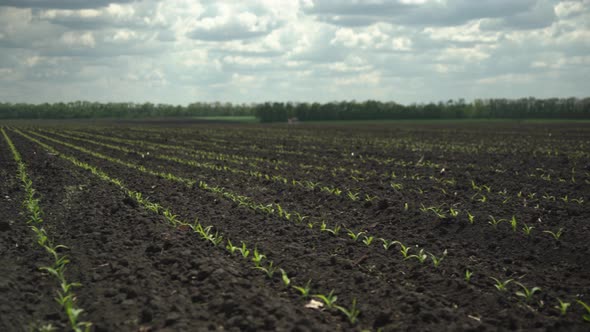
[
  {"x": 87, "y": 110},
  {"x": 498, "y": 108},
  {"x": 523, "y": 108}
]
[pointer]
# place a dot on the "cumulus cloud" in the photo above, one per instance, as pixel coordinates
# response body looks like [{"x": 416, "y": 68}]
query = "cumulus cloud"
[{"x": 181, "y": 51}]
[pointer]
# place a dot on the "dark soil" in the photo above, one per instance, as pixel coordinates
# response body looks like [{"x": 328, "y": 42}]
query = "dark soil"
[{"x": 139, "y": 273}]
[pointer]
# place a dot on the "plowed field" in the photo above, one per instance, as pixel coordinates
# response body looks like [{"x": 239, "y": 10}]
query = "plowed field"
[{"x": 423, "y": 227}]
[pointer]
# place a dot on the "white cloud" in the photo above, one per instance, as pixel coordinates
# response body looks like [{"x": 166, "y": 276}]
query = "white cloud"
[
  {"x": 77, "y": 39},
  {"x": 507, "y": 79},
  {"x": 408, "y": 50}
]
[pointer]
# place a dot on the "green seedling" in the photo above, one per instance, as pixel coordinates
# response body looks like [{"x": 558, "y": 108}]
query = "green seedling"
[
  {"x": 387, "y": 243},
  {"x": 269, "y": 270},
  {"x": 352, "y": 313},
  {"x": 304, "y": 290},
  {"x": 368, "y": 240},
  {"x": 403, "y": 249},
  {"x": 438, "y": 212},
  {"x": 42, "y": 237},
  {"x": 396, "y": 186},
  {"x": 437, "y": 260},
  {"x": 352, "y": 196},
  {"x": 280, "y": 210},
  {"x": 526, "y": 229},
  {"x": 471, "y": 218},
  {"x": 586, "y": 316},
  {"x": 172, "y": 218},
  {"x": 257, "y": 257},
  {"x": 562, "y": 307},
  {"x": 556, "y": 235},
  {"x": 421, "y": 256},
  {"x": 513, "y": 223},
  {"x": 327, "y": 299},
  {"x": 285, "y": 278},
  {"x": 47, "y": 328},
  {"x": 501, "y": 285},
  {"x": 324, "y": 228},
  {"x": 300, "y": 217},
  {"x": 468, "y": 275},
  {"x": 353, "y": 235},
  {"x": 454, "y": 213},
  {"x": 244, "y": 250},
  {"x": 526, "y": 293},
  {"x": 231, "y": 248},
  {"x": 369, "y": 198},
  {"x": 495, "y": 222}
]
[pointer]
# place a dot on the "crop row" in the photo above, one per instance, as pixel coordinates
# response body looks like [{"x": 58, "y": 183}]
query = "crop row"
[{"x": 65, "y": 295}]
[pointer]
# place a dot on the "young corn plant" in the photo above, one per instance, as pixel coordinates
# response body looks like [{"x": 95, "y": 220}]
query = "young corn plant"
[
  {"x": 269, "y": 270},
  {"x": 438, "y": 212},
  {"x": 367, "y": 240},
  {"x": 562, "y": 307},
  {"x": 369, "y": 198},
  {"x": 285, "y": 278},
  {"x": 324, "y": 228},
  {"x": 526, "y": 229},
  {"x": 495, "y": 222},
  {"x": 300, "y": 217},
  {"x": 304, "y": 290},
  {"x": 397, "y": 186},
  {"x": 513, "y": 223},
  {"x": 244, "y": 250},
  {"x": 437, "y": 260},
  {"x": 470, "y": 217},
  {"x": 353, "y": 196},
  {"x": 231, "y": 248},
  {"x": 468, "y": 275},
  {"x": 501, "y": 285},
  {"x": 351, "y": 313},
  {"x": 555, "y": 235},
  {"x": 387, "y": 243},
  {"x": 354, "y": 236},
  {"x": 526, "y": 293},
  {"x": 586, "y": 316},
  {"x": 257, "y": 257},
  {"x": 172, "y": 218},
  {"x": 403, "y": 249},
  {"x": 420, "y": 256},
  {"x": 328, "y": 300}
]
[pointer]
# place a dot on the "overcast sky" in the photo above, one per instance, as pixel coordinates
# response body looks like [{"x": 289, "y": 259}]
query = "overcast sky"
[{"x": 181, "y": 51}]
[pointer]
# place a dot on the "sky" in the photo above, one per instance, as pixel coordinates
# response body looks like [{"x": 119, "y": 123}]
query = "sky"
[{"x": 183, "y": 51}]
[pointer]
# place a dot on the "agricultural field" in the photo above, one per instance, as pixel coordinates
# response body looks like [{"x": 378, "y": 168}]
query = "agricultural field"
[{"x": 247, "y": 227}]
